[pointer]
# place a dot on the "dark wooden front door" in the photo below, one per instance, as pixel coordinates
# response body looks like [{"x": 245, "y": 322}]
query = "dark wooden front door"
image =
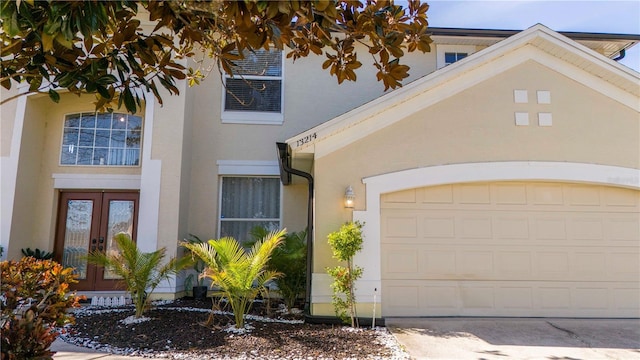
[{"x": 88, "y": 221}]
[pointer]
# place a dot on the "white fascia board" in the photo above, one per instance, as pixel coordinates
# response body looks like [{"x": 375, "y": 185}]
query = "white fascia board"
[{"x": 310, "y": 140}]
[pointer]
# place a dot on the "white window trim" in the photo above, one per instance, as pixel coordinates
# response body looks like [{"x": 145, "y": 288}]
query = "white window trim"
[
  {"x": 95, "y": 181},
  {"x": 246, "y": 168},
  {"x": 442, "y": 49},
  {"x": 254, "y": 117}
]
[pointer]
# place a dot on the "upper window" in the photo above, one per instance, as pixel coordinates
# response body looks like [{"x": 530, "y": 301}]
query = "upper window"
[
  {"x": 108, "y": 139},
  {"x": 247, "y": 202},
  {"x": 451, "y": 57},
  {"x": 254, "y": 93},
  {"x": 448, "y": 54}
]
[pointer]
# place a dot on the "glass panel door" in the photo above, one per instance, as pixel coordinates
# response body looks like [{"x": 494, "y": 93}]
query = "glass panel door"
[
  {"x": 76, "y": 231},
  {"x": 77, "y": 235},
  {"x": 88, "y": 221},
  {"x": 118, "y": 217}
]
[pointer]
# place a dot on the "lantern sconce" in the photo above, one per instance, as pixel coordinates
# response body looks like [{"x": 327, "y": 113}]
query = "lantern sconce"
[{"x": 349, "y": 198}]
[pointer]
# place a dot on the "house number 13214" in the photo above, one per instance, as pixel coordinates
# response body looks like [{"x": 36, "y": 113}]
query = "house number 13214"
[{"x": 306, "y": 139}]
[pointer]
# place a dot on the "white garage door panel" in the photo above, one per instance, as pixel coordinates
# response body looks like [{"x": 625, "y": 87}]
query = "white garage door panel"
[
  {"x": 511, "y": 249},
  {"x": 498, "y": 298},
  {"x": 540, "y": 263},
  {"x": 505, "y": 227}
]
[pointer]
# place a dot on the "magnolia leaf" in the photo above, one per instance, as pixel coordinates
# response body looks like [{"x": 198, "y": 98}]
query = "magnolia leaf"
[
  {"x": 129, "y": 101},
  {"x": 35, "y": 84},
  {"x": 80, "y": 43},
  {"x": 47, "y": 42},
  {"x": 53, "y": 95},
  {"x": 62, "y": 40}
]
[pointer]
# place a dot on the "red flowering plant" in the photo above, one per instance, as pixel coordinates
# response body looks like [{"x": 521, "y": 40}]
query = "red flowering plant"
[{"x": 35, "y": 298}]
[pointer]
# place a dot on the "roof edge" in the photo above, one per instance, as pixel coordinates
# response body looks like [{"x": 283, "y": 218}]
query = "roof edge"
[{"x": 501, "y": 33}]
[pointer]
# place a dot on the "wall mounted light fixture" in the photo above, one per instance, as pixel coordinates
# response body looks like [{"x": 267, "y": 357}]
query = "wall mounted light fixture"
[{"x": 349, "y": 198}]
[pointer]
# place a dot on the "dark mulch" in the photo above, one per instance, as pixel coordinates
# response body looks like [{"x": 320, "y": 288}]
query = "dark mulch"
[{"x": 182, "y": 334}]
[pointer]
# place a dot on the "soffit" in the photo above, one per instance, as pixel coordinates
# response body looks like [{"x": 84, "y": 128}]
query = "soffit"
[
  {"x": 466, "y": 40},
  {"x": 608, "y": 48},
  {"x": 610, "y": 45},
  {"x": 578, "y": 59}
]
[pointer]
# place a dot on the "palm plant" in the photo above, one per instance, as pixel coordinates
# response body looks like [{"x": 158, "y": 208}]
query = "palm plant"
[
  {"x": 141, "y": 272},
  {"x": 239, "y": 274},
  {"x": 290, "y": 259}
]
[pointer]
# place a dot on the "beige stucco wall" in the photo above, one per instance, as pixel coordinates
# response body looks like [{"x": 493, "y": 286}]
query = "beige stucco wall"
[
  {"x": 168, "y": 137},
  {"x": 311, "y": 97},
  {"x": 185, "y": 173},
  {"x": 36, "y": 200},
  {"x": 7, "y": 114},
  {"x": 35, "y": 205},
  {"x": 25, "y": 225},
  {"x": 477, "y": 125}
]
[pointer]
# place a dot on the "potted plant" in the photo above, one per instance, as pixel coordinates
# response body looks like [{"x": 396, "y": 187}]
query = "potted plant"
[{"x": 195, "y": 282}]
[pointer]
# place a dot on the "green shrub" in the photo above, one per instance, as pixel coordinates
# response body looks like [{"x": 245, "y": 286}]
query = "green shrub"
[
  {"x": 345, "y": 243},
  {"x": 289, "y": 259},
  {"x": 38, "y": 254},
  {"x": 36, "y": 297}
]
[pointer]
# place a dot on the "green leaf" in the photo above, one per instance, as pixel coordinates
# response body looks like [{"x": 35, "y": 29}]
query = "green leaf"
[
  {"x": 53, "y": 95},
  {"x": 129, "y": 101},
  {"x": 107, "y": 79},
  {"x": 11, "y": 27},
  {"x": 35, "y": 84}
]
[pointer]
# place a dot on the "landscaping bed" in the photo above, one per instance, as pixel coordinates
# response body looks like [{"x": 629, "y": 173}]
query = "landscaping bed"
[{"x": 176, "y": 330}]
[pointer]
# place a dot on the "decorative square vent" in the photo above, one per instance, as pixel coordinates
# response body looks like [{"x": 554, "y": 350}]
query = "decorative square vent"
[
  {"x": 544, "y": 97},
  {"x": 545, "y": 119},
  {"x": 520, "y": 96},
  {"x": 522, "y": 119}
]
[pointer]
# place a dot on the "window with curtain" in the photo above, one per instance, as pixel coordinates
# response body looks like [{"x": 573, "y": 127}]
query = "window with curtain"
[
  {"x": 107, "y": 139},
  {"x": 247, "y": 202},
  {"x": 254, "y": 92}
]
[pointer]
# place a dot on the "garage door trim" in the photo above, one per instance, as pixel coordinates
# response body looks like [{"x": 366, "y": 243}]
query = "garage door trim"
[{"x": 370, "y": 256}]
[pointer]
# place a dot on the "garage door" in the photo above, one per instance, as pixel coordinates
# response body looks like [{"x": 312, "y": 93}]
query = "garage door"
[{"x": 511, "y": 249}]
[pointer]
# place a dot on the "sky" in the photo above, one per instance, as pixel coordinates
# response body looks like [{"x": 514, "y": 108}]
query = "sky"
[{"x": 621, "y": 17}]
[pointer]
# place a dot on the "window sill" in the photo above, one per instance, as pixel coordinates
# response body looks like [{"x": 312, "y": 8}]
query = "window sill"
[
  {"x": 252, "y": 118},
  {"x": 100, "y": 166}
]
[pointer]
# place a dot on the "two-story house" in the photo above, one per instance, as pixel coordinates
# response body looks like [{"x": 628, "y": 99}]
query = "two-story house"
[{"x": 503, "y": 179}]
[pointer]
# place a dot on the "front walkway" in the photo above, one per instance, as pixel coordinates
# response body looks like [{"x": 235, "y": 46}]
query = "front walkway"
[
  {"x": 66, "y": 351},
  {"x": 502, "y": 338}
]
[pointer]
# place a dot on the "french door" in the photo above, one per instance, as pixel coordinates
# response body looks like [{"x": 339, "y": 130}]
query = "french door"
[{"x": 88, "y": 221}]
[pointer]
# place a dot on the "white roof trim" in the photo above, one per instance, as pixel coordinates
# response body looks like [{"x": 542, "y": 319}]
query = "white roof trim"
[{"x": 456, "y": 77}]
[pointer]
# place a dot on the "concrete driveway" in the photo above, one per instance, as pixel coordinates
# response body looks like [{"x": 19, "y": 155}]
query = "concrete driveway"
[{"x": 515, "y": 338}]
